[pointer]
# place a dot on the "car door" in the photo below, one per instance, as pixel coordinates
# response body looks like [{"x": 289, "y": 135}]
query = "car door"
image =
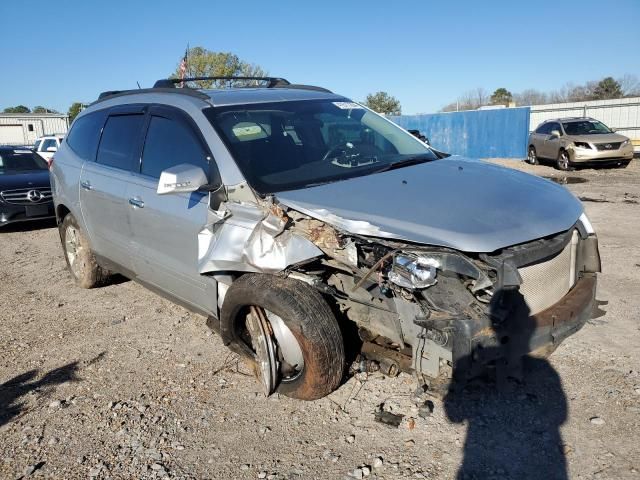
[
  {"x": 103, "y": 185},
  {"x": 539, "y": 137},
  {"x": 552, "y": 143},
  {"x": 166, "y": 227}
]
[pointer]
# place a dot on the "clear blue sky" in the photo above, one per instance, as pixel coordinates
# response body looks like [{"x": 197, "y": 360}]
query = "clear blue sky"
[{"x": 424, "y": 53}]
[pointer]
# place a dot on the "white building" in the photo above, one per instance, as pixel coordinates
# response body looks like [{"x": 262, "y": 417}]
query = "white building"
[{"x": 24, "y": 128}]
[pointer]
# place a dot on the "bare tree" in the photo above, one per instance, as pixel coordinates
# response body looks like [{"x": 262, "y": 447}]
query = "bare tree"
[
  {"x": 531, "y": 97},
  {"x": 630, "y": 85}
]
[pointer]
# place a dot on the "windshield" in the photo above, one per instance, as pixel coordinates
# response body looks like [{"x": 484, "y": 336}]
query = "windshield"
[
  {"x": 585, "y": 127},
  {"x": 12, "y": 161},
  {"x": 290, "y": 145}
]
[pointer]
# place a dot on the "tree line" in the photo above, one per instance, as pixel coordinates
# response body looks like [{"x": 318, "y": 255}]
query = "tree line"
[{"x": 604, "y": 89}]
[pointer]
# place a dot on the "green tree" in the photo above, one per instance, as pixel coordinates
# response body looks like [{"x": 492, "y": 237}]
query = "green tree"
[
  {"x": 501, "y": 96},
  {"x": 607, "y": 88},
  {"x": 17, "y": 109},
  {"x": 382, "y": 102},
  {"x": 41, "y": 109},
  {"x": 207, "y": 63},
  {"x": 74, "y": 110}
]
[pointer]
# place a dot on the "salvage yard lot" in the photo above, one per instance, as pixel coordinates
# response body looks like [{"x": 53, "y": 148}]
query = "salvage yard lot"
[{"x": 119, "y": 383}]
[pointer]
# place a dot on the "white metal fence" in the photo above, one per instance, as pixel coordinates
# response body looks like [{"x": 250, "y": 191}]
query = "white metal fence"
[{"x": 623, "y": 114}]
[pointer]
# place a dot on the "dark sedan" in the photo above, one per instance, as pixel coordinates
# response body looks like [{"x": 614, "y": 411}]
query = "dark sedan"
[{"x": 25, "y": 191}]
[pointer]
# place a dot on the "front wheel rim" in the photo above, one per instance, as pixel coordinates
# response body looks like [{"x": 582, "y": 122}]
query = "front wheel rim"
[
  {"x": 72, "y": 248},
  {"x": 532, "y": 156},
  {"x": 564, "y": 161},
  {"x": 277, "y": 353}
]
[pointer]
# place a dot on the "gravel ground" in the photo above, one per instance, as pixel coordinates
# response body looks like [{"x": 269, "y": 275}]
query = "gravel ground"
[{"x": 118, "y": 383}]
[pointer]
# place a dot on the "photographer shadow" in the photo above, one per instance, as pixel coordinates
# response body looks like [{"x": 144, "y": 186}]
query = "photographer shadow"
[{"x": 513, "y": 431}]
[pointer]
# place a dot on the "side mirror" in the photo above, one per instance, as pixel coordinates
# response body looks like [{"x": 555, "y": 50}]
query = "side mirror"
[
  {"x": 555, "y": 133},
  {"x": 183, "y": 178},
  {"x": 52, "y": 149},
  {"x": 613, "y": 129}
]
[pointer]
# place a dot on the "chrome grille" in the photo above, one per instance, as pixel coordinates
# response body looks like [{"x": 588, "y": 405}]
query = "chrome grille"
[
  {"x": 545, "y": 283},
  {"x": 26, "y": 196},
  {"x": 608, "y": 146}
]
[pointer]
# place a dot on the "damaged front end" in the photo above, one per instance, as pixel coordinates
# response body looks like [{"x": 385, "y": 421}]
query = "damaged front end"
[{"x": 433, "y": 311}]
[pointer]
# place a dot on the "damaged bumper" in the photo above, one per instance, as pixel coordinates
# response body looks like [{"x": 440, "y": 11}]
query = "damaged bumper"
[{"x": 537, "y": 335}]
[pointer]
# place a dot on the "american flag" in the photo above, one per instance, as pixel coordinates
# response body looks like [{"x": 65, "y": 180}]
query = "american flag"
[{"x": 183, "y": 66}]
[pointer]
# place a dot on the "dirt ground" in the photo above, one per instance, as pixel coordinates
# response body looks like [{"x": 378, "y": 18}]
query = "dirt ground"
[{"x": 118, "y": 383}]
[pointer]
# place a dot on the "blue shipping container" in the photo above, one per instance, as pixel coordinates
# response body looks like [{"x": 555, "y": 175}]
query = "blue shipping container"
[{"x": 499, "y": 133}]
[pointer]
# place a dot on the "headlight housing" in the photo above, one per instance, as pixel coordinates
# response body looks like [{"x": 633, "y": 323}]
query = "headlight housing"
[
  {"x": 413, "y": 272},
  {"x": 582, "y": 145},
  {"x": 626, "y": 142}
]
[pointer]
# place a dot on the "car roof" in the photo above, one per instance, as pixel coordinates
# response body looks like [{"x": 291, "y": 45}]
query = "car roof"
[
  {"x": 243, "y": 96},
  {"x": 569, "y": 119}
]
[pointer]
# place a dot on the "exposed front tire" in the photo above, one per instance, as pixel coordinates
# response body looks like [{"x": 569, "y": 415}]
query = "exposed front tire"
[
  {"x": 306, "y": 339},
  {"x": 564, "y": 162},
  {"x": 77, "y": 252},
  {"x": 532, "y": 157}
]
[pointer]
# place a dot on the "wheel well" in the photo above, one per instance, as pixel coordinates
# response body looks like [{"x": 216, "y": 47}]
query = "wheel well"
[{"x": 61, "y": 212}]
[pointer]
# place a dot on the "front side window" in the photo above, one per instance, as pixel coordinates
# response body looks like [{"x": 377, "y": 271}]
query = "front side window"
[
  {"x": 14, "y": 161},
  {"x": 290, "y": 145},
  {"x": 120, "y": 140},
  {"x": 586, "y": 127},
  {"x": 170, "y": 143}
]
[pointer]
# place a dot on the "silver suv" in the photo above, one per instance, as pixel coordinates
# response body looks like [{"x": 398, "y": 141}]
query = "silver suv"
[
  {"x": 292, "y": 217},
  {"x": 578, "y": 141}
]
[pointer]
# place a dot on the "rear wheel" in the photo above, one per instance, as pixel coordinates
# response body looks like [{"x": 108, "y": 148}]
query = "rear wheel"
[
  {"x": 532, "y": 157},
  {"x": 296, "y": 342},
  {"x": 77, "y": 252},
  {"x": 563, "y": 161}
]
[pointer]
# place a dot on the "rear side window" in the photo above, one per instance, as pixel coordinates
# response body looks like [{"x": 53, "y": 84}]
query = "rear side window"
[
  {"x": 170, "y": 143},
  {"x": 544, "y": 129},
  {"x": 85, "y": 133},
  {"x": 120, "y": 140}
]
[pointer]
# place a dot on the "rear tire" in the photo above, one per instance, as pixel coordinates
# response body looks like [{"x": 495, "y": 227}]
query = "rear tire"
[
  {"x": 77, "y": 252},
  {"x": 532, "y": 157},
  {"x": 564, "y": 162},
  {"x": 307, "y": 316}
]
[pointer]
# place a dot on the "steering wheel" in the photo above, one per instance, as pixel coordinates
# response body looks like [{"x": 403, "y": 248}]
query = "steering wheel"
[{"x": 331, "y": 153}]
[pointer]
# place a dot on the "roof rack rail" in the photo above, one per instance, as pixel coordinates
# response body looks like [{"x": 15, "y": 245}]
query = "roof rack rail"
[
  {"x": 171, "y": 82},
  {"x": 118, "y": 93}
]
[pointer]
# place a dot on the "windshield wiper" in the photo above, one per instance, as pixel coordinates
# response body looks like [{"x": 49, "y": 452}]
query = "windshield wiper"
[{"x": 407, "y": 162}]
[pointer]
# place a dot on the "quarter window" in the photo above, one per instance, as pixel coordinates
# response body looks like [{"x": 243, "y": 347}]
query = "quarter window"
[
  {"x": 85, "y": 133},
  {"x": 170, "y": 143},
  {"x": 119, "y": 140}
]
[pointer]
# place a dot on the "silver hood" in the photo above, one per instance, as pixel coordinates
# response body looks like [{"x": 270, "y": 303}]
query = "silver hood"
[{"x": 468, "y": 205}]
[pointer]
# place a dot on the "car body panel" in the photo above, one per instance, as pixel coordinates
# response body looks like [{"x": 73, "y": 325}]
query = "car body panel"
[
  {"x": 469, "y": 205},
  {"x": 164, "y": 241}
]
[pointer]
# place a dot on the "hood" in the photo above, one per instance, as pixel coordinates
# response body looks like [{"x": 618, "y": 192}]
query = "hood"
[
  {"x": 34, "y": 178},
  {"x": 598, "y": 138},
  {"x": 468, "y": 205}
]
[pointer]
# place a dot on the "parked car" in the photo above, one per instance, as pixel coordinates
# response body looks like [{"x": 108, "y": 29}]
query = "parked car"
[
  {"x": 48, "y": 145},
  {"x": 25, "y": 191},
  {"x": 578, "y": 141},
  {"x": 286, "y": 214}
]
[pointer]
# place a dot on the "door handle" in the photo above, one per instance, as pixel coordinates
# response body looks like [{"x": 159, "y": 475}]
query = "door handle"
[
  {"x": 136, "y": 202},
  {"x": 86, "y": 185}
]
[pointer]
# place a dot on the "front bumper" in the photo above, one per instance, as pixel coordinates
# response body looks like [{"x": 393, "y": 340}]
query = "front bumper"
[
  {"x": 10, "y": 213},
  {"x": 536, "y": 335},
  {"x": 584, "y": 155}
]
